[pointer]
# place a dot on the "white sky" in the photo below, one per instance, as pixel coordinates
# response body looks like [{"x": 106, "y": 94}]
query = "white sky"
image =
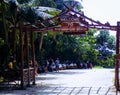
[{"x": 102, "y": 10}]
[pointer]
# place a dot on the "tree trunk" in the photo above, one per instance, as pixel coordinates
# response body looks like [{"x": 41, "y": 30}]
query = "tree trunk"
[{"x": 4, "y": 21}]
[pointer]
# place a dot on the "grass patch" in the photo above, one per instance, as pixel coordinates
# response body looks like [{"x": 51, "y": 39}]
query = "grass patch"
[{"x": 98, "y": 67}]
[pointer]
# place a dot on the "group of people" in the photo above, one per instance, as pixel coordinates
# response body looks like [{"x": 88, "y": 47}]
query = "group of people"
[
  {"x": 13, "y": 66},
  {"x": 86, "y": 65},
  {"x": 50, "y": 65}
]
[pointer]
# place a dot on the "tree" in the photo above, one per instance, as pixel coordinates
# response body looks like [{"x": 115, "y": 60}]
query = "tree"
[
  {"x": 69, "y": 3},
  {"x": 102, "y": 37},
  {"x": 12, "y": 11},
  {"x": 4, "y": 48},
  {"x": 3, "y": 9},
  {"x": 106, "y": 46},
  {"x": 111, "y": 42}
]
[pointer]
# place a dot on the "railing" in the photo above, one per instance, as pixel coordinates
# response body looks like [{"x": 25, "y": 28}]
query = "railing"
[{"x": 28, "y": 76}]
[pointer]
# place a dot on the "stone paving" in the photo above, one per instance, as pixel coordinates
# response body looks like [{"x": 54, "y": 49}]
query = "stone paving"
[
  {"x": 62, "y": 91},
  {"x": 71, "y": 82}
]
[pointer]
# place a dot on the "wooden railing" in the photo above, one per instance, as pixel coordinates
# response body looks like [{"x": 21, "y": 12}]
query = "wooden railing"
[{"x": 28, "y": 76}]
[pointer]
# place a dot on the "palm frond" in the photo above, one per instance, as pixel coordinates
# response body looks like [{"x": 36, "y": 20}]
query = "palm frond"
[
  {"x": 43, "y": 14},
  {"x": 44, "y": 9}
]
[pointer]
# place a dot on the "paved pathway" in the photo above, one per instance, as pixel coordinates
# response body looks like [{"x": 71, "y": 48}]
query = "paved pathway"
[{"x": 71, "y": 82}]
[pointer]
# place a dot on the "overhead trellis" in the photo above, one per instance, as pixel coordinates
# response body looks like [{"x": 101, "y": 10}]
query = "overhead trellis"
[{"x": 67, "y": 14}]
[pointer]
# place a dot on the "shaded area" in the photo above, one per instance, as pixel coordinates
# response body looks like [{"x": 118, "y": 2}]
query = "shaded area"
[
  {"x": 77, "y": 83},
  {"x": 45, "y": 90}
]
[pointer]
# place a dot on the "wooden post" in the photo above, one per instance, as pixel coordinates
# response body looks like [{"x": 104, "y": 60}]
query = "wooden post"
[
  {"x": 21, "y": 54},
  {"x": 117, "y": 60},
  {"x": 27, "y": 55},
  {"x": 33, "y": 55}
]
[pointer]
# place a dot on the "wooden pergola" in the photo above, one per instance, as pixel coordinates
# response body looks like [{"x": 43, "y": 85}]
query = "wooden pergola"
[{"x": 69, "y": 22}]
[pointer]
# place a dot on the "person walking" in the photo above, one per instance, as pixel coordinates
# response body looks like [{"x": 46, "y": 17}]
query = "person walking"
[{"x": 57, "y": 62}]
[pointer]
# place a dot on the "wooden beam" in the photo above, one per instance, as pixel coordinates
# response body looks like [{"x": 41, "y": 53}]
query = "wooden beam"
[{"x": 117, "y": 56}]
